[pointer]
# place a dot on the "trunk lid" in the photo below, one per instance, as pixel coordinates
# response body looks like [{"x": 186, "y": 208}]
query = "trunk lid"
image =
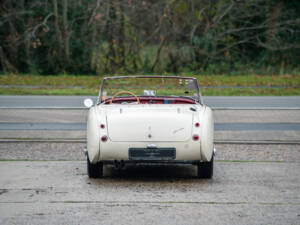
[{"x": 132, "y": 124}]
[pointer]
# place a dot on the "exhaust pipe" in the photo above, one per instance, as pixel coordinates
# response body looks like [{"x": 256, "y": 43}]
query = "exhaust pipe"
[
  {"x": 122, "y": 164},
  {"x": 116, "y": 164},
  {"x": 119, "y": 164}
]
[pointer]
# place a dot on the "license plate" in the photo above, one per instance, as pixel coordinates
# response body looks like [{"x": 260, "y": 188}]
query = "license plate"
[{"x": 152, "y": 153}]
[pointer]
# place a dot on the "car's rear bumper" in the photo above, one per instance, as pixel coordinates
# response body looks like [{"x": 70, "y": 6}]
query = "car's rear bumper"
[
  {"x": 150, "y": 162},
  {"x": 185, "y": 151}
]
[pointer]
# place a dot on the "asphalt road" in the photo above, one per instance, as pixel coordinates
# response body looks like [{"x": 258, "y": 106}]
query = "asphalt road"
[
  {"x": 213, "y": 101},
  {"x": 283, "y": 125}
]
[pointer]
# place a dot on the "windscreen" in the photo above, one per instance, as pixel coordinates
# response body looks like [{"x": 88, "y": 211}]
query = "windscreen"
[{"x": 151, "y": 86}]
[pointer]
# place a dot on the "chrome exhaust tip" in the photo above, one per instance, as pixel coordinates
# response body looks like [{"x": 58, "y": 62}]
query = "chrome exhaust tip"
[{"x": 119, "y": 165}]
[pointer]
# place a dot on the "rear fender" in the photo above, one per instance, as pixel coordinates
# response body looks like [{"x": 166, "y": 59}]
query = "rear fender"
[
  {"x": 207, "y": 134},
  {"x": 93, "y": 135}
]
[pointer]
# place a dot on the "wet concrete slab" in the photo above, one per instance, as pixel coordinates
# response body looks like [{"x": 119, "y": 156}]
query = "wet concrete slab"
[
  {"x": 61, "y": 192},
  {"x": 152, "y": 213}
]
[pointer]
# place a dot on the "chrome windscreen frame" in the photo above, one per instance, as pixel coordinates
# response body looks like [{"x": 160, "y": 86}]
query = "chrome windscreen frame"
[{"x": 199, "y": 100}]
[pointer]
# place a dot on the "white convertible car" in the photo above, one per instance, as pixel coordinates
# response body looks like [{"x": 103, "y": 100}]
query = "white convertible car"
[{"x": 149, "y": 119}]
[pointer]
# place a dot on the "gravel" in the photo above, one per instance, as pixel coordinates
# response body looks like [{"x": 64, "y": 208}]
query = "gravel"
[{"x": 73, "y": 151}]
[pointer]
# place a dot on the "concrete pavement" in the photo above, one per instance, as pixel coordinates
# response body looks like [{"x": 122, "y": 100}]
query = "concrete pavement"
[{"x": 61, "y": 193}]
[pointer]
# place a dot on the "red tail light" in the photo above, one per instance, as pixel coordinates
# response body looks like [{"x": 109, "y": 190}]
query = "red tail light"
[
  {"x": 102, "y": 126},
  {"x": 197, "y": 124},
  {"x": 104, "y": 138},
  {"x": 195, "y": 137}
]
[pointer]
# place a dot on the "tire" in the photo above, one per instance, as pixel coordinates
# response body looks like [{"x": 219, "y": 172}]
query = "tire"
[
  {"x": 94, "y": 170},
  {"x": 206, "y": 169}
]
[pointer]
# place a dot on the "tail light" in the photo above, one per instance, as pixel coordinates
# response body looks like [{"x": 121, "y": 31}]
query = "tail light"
[
  {"x": 195, "y": 137},
  {"x": 104, "y": 138},
  {"x": 197, "y": 124},
  {"x": 102, "y": 126}
]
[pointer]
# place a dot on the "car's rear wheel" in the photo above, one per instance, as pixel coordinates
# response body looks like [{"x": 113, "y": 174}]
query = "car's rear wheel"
[
  {"x": 94, "y": 170},
  {"x": 206, "y": 169}
]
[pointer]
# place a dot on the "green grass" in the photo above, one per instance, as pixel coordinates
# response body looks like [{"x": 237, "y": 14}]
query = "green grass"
[
  {"x": 39, "y": 160},
  {"x": 205, "y": 92},
  {"x": 89, "y": 85},
  {"x": 47, "y": 91}
]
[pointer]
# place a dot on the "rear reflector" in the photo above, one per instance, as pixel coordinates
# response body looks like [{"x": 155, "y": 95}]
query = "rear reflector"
[
  {"x": 104, "y": 138},
  {"x": 102, "y": 126},
  {"x": 195, "y": 137},
  {"x": 197, "y": 124}
]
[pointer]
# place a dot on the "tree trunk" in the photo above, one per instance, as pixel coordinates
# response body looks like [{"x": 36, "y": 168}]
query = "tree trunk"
[
  {"x": 57, "y": 30},
  {"x": 121, "y": 34},
  {"x": 66, "y": 33},
  {"x": 272, "y": 21},
  {"x": 6, "y": 65},
  {"x": 111, "y": 55}
]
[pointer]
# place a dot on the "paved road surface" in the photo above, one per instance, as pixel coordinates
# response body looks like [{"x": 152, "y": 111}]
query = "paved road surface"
[
  {"x": 61, "y": 193},
  {"x": 251, "y": 185},
  {"x": 213, "y": 101},
  {"x": 229, "y": 124}
]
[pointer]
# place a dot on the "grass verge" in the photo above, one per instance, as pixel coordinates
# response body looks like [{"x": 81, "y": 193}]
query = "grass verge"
[
  {"x": 205, "y": 92},
  {"x": 218, "y": 85}
]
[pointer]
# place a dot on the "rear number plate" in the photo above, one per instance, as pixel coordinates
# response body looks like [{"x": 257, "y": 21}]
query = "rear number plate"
[{"x": 152, "y": 153}]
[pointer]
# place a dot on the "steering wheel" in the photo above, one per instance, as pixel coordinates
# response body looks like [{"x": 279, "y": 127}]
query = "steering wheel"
[{"x": 124, "y": 92}]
